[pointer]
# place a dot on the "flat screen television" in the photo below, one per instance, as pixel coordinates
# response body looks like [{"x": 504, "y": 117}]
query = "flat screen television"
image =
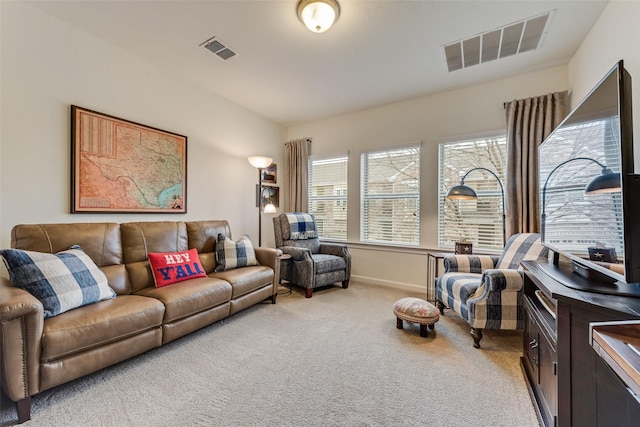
[{"x": 590, "y": 194}]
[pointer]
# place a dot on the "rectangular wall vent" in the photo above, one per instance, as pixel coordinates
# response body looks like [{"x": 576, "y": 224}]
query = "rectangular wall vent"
[
  {"x": 512, "y": 39},
  {"x": 216, "y": 46}
]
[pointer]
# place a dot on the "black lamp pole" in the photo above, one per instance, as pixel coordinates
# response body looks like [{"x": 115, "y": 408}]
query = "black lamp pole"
[
  {"x": 260, "y": 162},
  {"x": 259, "y": 206}
]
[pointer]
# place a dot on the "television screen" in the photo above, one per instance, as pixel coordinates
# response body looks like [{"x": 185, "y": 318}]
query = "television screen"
[{"x": 586, "y": 175}]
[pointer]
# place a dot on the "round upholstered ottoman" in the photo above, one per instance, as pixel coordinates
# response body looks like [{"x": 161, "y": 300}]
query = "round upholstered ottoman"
[{"x": 416, "y": 310}]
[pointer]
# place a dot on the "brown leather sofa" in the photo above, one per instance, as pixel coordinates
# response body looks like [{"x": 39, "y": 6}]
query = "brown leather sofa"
[{"x": 38, "y": 354}]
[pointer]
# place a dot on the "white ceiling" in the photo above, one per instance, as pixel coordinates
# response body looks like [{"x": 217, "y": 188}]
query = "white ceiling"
[{"x": 378, "y": 52}]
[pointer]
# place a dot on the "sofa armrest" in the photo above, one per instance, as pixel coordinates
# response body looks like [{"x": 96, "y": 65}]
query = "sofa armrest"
[
  {"x": 298, "y": 254},
  {"x": 469, "y": 263},
  {"x": 497, "y": 302},
  {"x": 268, "y": 257},
  {"x": 21, "y": 328},
  {"x": 503, "y": 280},
  {"x": 334, "y": 249}
]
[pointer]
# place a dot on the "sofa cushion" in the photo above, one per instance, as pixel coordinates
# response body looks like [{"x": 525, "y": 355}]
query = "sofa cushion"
[
  {"x": 327, "y": 263},
  {"x": 246, "y": 280},
  {"x": 455, "y": 289},
  {"x": 187, "y": 298},
  {"x": 94, "y": 326},
  {"x": 61, "y": 282},
  {"x": 230, "y": 254},
  {"x": 173, "y": 267},
  {"x": 203, "y": 236}
]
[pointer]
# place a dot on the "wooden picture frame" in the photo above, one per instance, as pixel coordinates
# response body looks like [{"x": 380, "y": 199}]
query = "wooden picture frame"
[
  {"x": 126, "y": 167},
  {"x": 270, "y": 174},
  {"x": 274, "y": 195}
]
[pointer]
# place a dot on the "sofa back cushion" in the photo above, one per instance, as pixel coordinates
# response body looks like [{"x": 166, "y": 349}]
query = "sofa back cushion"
[
  {"x": 203, "y": 236},
  {"x": 100, "y": 241},
  {"x": 140, "y": 238}
]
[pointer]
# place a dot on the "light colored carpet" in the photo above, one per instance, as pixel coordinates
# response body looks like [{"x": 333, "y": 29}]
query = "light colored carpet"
[{"x": 336, "y": 359}]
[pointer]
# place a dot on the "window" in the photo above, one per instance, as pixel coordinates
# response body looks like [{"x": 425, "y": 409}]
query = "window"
[
  {"x": 390, "y": 196},
  {"x": 479, "y": 221},
  {"x": 328, "y": 195}
]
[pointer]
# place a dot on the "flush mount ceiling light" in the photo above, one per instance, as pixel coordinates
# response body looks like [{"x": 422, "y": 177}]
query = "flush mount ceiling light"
[{"x": 318, "y": 15}]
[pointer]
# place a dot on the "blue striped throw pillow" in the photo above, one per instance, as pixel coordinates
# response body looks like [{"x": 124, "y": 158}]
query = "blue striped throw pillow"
[
  {"x": 61, "y": 282},
  {"x": 230, "y": 254}
]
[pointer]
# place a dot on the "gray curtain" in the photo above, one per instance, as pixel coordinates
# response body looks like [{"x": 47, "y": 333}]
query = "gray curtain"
[
  {"x": 297, "y": 175},
  {"x": 529, "y": 122}
]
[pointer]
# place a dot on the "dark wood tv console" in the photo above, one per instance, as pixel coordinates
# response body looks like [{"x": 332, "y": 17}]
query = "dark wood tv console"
[{"x": 570, "y": 384}]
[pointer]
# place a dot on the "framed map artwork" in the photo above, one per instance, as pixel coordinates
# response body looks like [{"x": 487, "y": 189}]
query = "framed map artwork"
[{"x": 122, "y": 166}]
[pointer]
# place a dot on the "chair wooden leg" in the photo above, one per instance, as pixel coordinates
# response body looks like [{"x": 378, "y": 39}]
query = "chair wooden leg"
[
  {"x": 345, "y": 284},
  {"x": 23, "y": 407},
  {"x": 308, "y": 293},
  {"x": 440, "y": 306},
  {"x": 477, "y": 336},
  {"x": 273, "y": 298}
]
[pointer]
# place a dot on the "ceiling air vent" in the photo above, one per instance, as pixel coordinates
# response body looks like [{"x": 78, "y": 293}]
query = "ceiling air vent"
[
  {"x": 217, "y": 47},
  {"x": 519, "y": 37}
]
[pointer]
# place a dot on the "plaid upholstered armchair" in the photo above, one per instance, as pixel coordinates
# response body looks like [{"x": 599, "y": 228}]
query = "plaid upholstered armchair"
[
  {"x": 487, "y": 290},
  {"x": 313, "y": 264}
]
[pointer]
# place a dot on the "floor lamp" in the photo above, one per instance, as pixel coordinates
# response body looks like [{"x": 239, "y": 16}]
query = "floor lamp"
[
  {"x": 464, "y": 192},
  {"x": 261, "y": 162},
  {"x": 607, "y": 182}
]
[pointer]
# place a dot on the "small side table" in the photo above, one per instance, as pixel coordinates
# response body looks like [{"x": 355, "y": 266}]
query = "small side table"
[
  {"x": 435, "y": 266},
  {"x": 285, "y": 261}
]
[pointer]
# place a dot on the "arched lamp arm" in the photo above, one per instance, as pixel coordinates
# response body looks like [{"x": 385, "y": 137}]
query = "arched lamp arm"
[
  {"x": 494, "y": 175},
  {"x": 546, "y": 182},
  {"x": 504, "y": 231},
  {"x": 543, "y": 218}
]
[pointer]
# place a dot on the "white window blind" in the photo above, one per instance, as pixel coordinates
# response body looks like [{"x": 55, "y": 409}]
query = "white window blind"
[
  {"x": 574, "y": 220},
  {"x": 390, "y": 196},
  {"x": 479, "y": 221},
  {"x": 328, "y": 195}
]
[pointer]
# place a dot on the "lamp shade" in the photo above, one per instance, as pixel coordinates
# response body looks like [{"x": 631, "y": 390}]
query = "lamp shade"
[
  {"x": 461, "y": 192},
  {"x": 269, "y": 208},
  {"x": 318, "y": 15},
  {"x": 608, "y": 182},
  {"x": 260, "y": 162}
]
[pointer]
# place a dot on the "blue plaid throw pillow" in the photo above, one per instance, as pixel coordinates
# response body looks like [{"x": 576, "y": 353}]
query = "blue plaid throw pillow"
[
  {"x": 230, "y": 254},
  {"x": 61, "y": 282}
]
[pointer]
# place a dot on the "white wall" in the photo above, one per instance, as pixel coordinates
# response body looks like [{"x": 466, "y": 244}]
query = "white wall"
[
  {"x": 615, "y": 36},
  {"x": 466, "y": 112},
  {"x": 48, "y": 65}
]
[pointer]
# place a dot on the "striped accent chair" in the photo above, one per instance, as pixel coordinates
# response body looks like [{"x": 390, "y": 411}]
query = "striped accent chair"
[
  {"x": 313, "y": 264},
  {"x": 486, "y": 290}
]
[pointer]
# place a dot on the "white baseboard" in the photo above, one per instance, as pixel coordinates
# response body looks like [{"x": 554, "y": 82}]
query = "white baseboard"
[{"x": 391, "y": 284}]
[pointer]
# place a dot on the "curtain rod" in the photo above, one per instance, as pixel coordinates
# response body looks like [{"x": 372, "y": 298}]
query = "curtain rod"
[{"x": 308, "y": 140}]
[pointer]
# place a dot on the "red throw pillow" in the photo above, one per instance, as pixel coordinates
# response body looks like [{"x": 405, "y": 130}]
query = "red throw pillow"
[{"x": 172, "y": 267}]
